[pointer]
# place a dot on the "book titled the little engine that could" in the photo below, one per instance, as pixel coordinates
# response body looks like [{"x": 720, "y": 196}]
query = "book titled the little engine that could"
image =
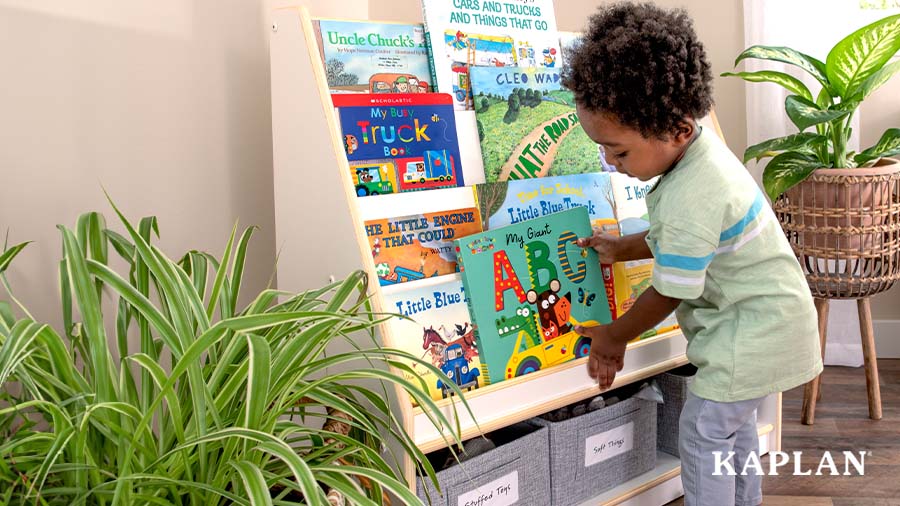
[{"x": 528, "y": 286}]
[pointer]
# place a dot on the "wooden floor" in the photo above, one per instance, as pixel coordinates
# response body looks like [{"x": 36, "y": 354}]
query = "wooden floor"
[{"x": 842, "y": 423}]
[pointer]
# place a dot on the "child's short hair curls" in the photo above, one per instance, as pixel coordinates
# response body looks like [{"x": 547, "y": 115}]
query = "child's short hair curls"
[{"x": 643, "y": 65}]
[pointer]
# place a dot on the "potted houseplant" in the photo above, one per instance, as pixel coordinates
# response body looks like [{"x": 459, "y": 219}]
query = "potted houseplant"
[
  {"x": 838, "y": 207},
  {"x": 160, "y": 389}
]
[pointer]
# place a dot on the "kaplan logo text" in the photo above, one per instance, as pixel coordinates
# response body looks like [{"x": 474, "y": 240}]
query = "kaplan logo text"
[{"x": 848, "y": 464}]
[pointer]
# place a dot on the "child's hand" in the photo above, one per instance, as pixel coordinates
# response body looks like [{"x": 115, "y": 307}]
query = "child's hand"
[
  {"x": 606, "y": 245},
  {"x": 607, "y": 355}
]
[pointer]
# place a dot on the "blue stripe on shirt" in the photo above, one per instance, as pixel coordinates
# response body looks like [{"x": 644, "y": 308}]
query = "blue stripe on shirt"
[
  {"x": 683, "y": 262},
  {"x": 751, "y": 215}
]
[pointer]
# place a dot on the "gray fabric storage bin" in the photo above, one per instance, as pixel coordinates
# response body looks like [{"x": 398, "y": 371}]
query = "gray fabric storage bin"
[
  {"x": 576, "y": 474},
  {"x": 674, "y": 387},
  {"x": 522, "y": 464}
]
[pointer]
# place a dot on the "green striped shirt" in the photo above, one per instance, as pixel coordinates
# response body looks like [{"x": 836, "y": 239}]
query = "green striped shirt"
[{"x": 746, "y": 309}]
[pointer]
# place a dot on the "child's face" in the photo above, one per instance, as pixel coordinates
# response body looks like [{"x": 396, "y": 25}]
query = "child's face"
[{"x": 630, "y": 152}]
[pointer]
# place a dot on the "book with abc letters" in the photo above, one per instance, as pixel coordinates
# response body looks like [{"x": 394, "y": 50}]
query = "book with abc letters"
[
  {"x": 399, "y": 142},
  {"x": 528, "y": 284}
]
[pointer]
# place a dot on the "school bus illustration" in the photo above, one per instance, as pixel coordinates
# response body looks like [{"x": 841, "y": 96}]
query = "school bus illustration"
[
  {"x": 527, "y": 359},
  {"x": 373, "y": 178}
]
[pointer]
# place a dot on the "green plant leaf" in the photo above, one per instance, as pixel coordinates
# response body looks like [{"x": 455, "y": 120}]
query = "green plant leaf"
[
  {"x": 887, "y": 145},
  {"x": 795, "y": 142},
  {"x": 790, "y": 56},
  {"x": 786, "y": 170},
  {"x": 298, "y": 467},
  {"x": 8, "y": 255},
  {"x": 237, "y": 269},
  {"x": 260, "y": 358},
  {"x": 804, "y": 113},
  {"x": 875, "y": 81},
  {"x": 89, "y": 305},
  {"x": 862, "y": 53},
  {"x": 220, "y": 275},
  {"x": 254, "y": 483},
  {"x": 787, "y": 81}
]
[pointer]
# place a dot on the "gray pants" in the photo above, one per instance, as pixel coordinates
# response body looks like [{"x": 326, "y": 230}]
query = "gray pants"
[{"x": 705, "y": 427}]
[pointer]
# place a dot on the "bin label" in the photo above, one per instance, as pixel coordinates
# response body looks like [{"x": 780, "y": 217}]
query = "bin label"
[
  {"x": 608, "y": 444},
  {"x": 500, "y": 492}
]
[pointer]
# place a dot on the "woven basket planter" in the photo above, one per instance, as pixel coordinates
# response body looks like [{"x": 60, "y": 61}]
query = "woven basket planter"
[{"x": 844, "y": 227}]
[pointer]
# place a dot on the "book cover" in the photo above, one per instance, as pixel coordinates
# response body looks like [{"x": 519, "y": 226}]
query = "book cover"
[
  {"x": 466, "y": 33},
  {"x": 372, "y": 57},
  {"x": 528, "y": 285},
  {"x": 509, "y": 202},
  {"x": 399, "y": 142},
  {"x": 439, "y": 329},
  {"x": 527, "y": 125},
  {"x": 630, "y": 279},
  {"x": 513, "y": 201},
  {"x": 409, "y": 248},
  {"x": 566, "y": 41}
]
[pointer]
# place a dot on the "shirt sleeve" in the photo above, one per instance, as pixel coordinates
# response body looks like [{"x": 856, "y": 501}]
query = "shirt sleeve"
[{"x": 680, "y": 260}]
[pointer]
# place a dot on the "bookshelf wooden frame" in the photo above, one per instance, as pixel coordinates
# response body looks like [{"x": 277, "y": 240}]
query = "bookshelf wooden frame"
[{"x": 312, "y": 185}]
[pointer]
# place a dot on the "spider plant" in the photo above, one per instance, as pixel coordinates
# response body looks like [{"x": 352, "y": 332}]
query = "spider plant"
[{"x": 161, "y": 390}]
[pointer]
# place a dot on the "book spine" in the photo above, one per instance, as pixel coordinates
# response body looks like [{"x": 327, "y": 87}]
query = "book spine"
[
  {"x": 609, "y": 286},
  {"x": 485, "y": 374},
  {"x": 432, "y": 68}
]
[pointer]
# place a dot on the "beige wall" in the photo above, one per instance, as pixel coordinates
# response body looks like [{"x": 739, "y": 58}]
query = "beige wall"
[{"x": 166, "y": 104}]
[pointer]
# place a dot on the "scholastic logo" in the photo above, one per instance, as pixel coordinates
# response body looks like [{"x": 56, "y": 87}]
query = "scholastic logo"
[{"x": 848, "y": 464}]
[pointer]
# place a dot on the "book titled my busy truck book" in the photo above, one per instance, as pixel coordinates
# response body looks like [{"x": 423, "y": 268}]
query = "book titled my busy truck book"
[
  {"x": 528, "y": 285},
  {"x": 399, "y": 142}
]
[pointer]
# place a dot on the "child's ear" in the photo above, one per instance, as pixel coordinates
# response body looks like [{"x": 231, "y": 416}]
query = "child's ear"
[{"x": 685, "y": 130}]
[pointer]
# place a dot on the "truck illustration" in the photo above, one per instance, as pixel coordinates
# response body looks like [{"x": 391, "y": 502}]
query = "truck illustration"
[
  {"x": 457, "y": 368},
  {"x": 373, "y": 178},
  {"x": 528, "y": 358},
  {"x": 434, "y": 169}
]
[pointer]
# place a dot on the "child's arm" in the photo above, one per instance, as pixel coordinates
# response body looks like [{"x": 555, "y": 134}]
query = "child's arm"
[
  {"x": 613, "y": 249},
  {"x": 608, "y": 341}
]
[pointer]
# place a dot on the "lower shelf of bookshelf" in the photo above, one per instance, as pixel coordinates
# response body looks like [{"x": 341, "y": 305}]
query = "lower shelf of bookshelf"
[
  {"x": 662, "y": 484},
  {"x": 528, "y": 396}
]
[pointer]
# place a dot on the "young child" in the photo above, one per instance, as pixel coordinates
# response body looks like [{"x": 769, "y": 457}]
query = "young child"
[{"x": 641, "y": 80}]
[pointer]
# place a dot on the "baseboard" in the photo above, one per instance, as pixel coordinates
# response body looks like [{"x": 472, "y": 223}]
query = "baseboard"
[{"x": 887, "y": 338}]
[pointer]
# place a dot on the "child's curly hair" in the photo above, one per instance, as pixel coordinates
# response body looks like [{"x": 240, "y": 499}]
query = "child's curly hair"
[{"x": 643, "y": 65}]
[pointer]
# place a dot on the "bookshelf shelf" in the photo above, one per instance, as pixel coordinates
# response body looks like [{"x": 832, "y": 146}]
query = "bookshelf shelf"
[
  {"x": 319, "y": 231},
  {"x": 524, "y": 397}
]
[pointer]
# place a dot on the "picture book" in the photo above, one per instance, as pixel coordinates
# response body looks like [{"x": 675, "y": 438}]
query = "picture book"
[
  {"x": 503, "y": 33},
  {"x": 513, "y": 201},
  {"x": 510, "y": 202},
  {"x": 566, "y": 41},
  {"x": 528, "y": 285},
  {"x": 630, "y": 279},
  {"x": 420, "y": 246},
  {"x": 399, "y": 142},
  {"x": 372, "y": 57},
  {"x": 527, "y": 125},
  {"x": 439, "y": 330}
]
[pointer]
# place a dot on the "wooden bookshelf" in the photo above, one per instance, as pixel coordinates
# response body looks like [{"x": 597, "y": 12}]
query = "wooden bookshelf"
[{"x": 320, "y": 237}]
